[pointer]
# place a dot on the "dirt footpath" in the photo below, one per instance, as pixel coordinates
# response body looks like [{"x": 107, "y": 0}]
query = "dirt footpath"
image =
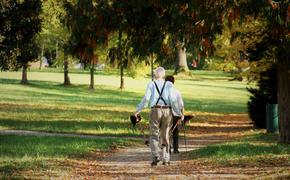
[{"x": 134, "y": 162}]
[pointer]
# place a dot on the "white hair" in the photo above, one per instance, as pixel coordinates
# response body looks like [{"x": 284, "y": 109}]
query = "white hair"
[{"x": 159, "y": 72}]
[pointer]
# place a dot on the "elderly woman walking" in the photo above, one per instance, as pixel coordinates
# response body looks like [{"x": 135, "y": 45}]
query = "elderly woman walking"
[{"x": 161, "y": 99}]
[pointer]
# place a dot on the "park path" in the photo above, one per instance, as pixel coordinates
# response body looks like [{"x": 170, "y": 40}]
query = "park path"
[{"x": 134, "y": 162}]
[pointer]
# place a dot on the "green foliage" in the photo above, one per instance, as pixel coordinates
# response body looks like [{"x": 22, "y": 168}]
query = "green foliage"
[
  {"x": 20, "y": 23},
  {"x": 216, "y": 64},
  {"x": 54, "y": 36},
  {"x": 266, "y": 92},
  {"x": 88, "y": 24},
  {"x": 139, "y": 70}
]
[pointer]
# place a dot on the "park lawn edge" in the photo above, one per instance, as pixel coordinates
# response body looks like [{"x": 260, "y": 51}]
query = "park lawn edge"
[
  {"x": 257, "y": 150},
  {"x": 32, "y": 156}
]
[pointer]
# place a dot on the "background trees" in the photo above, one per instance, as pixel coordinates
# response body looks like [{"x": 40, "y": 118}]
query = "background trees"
[
  {"x": 88, "y": 22},
  {"x": 151, "y": 30},
  {"x": 53, "y": 38},
  {"x": 276, "y": 39},
  {"x": 20, "y": 24}
]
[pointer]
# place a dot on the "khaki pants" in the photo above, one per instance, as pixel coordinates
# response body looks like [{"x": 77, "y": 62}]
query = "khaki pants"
[{"x": 160, "y": 124}]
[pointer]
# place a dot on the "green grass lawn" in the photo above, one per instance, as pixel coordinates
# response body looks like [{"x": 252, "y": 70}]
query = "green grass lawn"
[
  {"x": 22, "y": 153},
  {"x": 257, "y": 150},
  {"x": 46, "y": 105}
]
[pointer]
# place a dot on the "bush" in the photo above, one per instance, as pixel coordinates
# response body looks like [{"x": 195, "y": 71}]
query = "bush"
[
  {"x": 215, "y": 64},
  {"x": 139, "y": 70},
  {"x": 266, "y": 92}
]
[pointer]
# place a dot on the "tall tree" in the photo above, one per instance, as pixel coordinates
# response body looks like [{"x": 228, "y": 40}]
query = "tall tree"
[
  {"x": 146, "y": 32},
  {"x": 88, "y": 23},
  {"x": 54, "y": 34},
  {"x": 276, "y": 39},
  {"x": 192, "y": 24},
  {"x": 21, "y": 20},
  {"x": 121, "y": 26}
]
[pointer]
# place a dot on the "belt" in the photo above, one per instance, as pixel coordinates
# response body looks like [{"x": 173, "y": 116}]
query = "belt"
[{"x": 161, "y": 107}]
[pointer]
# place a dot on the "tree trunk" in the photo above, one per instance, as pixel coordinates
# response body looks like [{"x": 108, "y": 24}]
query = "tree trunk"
[
  {"x": 284, "y": 94},
  {"x": 181, "y": 61},
  {"x": 41, "y": 55},
  {"x": 56, "y": 50},
  {"x": 65, "y": 66},
  {"x": 24, "y": 74},
  {"x": 92, "y": 71},
  {"x": 121, "y": 60}
]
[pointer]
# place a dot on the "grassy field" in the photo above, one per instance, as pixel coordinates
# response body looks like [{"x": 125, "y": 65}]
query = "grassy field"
[
  {"x": 23, "y": 155},
  {"x": 257, "y": 150},
  {"x": 46, "y": 105}
]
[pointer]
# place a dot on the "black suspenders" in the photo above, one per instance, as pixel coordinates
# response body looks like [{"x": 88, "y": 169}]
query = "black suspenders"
[{"x": 160, "y": 93}]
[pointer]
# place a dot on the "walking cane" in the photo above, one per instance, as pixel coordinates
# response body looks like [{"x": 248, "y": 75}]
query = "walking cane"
[
  {"x": 185, "y": 143},
  {"x": 186, "y": 119}
]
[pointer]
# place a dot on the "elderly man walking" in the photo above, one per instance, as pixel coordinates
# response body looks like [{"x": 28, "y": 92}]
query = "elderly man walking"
[{"x": 159, "y": 95}]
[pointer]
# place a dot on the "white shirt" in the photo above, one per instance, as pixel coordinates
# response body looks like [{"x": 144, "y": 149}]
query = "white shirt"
[
  {"x": 151, "y": 96},
  {"x": 179, "y": 101}
]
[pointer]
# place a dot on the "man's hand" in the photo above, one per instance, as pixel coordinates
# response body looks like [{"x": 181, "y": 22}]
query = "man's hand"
[
  {"x": 136, "y": 114},
  {"x": 182, "y": 117}
]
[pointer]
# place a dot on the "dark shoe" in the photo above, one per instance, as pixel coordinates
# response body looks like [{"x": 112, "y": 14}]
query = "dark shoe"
[
  {"x": 176, "y": 151},
  {"x": 166, "y": 163},
  {"x": 155, "y": 161}
]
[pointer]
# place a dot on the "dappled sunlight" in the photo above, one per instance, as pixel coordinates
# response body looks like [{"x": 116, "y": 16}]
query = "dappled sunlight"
[
  {"x": 51, "y": 110},
  {"x": 218, "y": 126}
]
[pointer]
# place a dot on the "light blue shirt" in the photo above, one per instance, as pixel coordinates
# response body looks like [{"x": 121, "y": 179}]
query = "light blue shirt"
[
  {"x": 179, "y": 101},
  {"x": 151, "y": 96}
]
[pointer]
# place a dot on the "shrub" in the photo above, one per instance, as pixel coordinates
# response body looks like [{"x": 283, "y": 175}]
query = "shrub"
[
  {"x": 266, "y": 92},
  {"x": 139, "y": 70}
]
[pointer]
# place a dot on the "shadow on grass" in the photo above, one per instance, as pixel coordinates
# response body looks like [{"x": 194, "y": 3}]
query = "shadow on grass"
[
  {"x": 49, "y": 85},
  {"x": 50, "y": 92},
  {"x": 110, "y": 72},
  {"x": 217, "y": 85},
  {"x": 55, "y": 92},
  {"x": 19, "y": 146},
  {"x": 255, "y": 145},
  {"x": 220, "y": 129},
  {"x": 106, "y": 128},
  {"x": 214, "y": 106},
  {"x": 38, "y": 153},
  {"x": 67, "y": 112}
]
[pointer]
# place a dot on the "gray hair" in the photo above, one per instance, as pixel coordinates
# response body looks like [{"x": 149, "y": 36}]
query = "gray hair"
[{"x": 159, "y": 72}]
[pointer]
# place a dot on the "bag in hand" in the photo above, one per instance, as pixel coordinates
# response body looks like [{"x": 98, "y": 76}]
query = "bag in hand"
[{"x": 135, "y": 120}]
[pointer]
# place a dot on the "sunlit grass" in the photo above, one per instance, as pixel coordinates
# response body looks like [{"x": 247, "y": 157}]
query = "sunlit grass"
[
  {"x": 46, "y": 105},
  {"x": 255, "y": 150},
  {"x": 20, "y": 153}
]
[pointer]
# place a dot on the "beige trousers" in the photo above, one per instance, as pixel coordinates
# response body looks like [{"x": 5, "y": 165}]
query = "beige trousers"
[{"x": 160, "y": 124}]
